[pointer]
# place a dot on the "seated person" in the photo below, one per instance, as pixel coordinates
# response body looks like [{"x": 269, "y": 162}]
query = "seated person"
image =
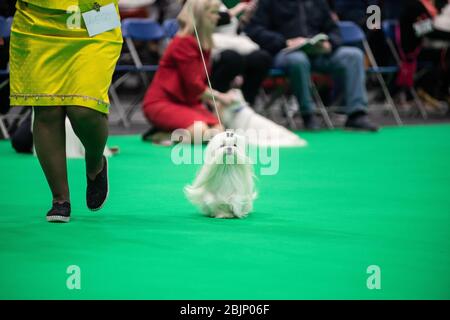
[
  {"x": 279, "y": 24},
  {"x": 136, "y": 9},
  {"x": 421, "y": 28},
  {"x": 235, "y": 55},
  {"x": 178, "y": 94},
  {"x": 351, "y": 10},
  {"x": 391, "y": 9}
]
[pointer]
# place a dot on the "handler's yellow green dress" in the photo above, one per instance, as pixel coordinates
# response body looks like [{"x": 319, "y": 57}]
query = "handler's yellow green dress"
[{"x": 54, "y": 63}]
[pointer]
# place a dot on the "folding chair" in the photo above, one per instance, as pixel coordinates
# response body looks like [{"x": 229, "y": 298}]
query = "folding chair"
[
  {"x": 134, "y": 29},
  {"x": 288, "y": 102},
  {"x": 277, "y": 83},
  {"x": 320, "y": 105},
  {"x": 352, "y": 34},
  {"x": 170, "y": 27},
  {"x": 389, "y": 30}
]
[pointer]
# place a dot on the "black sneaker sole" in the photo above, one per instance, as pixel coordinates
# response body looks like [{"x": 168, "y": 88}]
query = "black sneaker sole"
[
  {"x": 56, "y": 219},
  {"x": 107, "y": 185},
  {"x": 103, "y": 203}
]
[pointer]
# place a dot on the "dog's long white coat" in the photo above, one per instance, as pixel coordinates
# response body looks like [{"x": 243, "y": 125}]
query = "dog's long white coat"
[
  {"x": 268, "y": 133},
  {"x": 224, "y": 187}
]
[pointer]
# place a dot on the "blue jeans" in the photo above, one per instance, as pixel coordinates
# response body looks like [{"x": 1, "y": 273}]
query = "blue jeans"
[{"x": 347, "y": 63}]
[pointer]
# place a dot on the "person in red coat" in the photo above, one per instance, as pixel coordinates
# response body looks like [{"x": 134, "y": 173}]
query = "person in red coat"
[{"x": 179, "y": 92}]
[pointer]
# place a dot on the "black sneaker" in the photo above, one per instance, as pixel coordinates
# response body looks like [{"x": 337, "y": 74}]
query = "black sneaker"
[
  {"x": 360, "y": 121},
  {"x": 310, "y": 122},
  {"x": 60, "y": 212},
  {"x": 97, "y": 189}
]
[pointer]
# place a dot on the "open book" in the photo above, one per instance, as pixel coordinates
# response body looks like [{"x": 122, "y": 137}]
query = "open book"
[{"x": 310, "y": 46}]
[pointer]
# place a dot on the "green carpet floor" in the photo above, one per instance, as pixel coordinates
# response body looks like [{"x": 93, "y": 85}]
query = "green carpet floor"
[{"x": 347, "y": 201}]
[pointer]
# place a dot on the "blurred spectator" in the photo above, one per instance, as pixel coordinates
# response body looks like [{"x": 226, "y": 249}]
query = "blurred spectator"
[
  {"x": 168, "y": 9},
  {"x": 245, "y": 17},
  {"x": 7, "y": 9},
  {"x": 149, "y": 52},
  {"x": 136, "y": 8},
  {"x": 391, "y": 9},
  {"x": 237, "y": 55},
  {"x": 285, "y": 24},
  {"x": 356, "y": 10},
  {"x": 442, "y": 21},
  {"x": 353, "y": 10},
  {"x": 159, "y": 10},
  {"x": 178, "y": 94},
  {"x": 415, "y": 41}
]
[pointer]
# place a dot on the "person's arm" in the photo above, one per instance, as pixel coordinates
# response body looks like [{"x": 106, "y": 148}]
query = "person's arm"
[
  {"x": 191, "y": 70},
  {"x": 330, "y": 27},
  {"x": 189, "y": 66},
  {"x": 227, "y": 14},
  {"x": 238, "y": 9},
  {"x": 245, "y": 17},
  {"x": 223, "y": 99},
  {"x": 259, "y": 28}
]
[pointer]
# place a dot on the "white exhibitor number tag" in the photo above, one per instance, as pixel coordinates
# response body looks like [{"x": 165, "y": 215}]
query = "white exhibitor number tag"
[
  {"x": 423, "y": 27},
  {"x": 101, "y": 19}
]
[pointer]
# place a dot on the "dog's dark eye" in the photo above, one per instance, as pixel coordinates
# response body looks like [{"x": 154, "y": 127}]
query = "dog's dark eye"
[
  {"x": 235, "y": 145},
  {"x": 222, "y": 145}
]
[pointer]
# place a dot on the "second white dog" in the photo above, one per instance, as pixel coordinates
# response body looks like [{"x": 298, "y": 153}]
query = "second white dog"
[{"x": 257, "y": 129}]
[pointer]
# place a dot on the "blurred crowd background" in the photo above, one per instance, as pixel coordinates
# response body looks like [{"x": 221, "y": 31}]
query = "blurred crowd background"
[{"x": 396, "y": 72}]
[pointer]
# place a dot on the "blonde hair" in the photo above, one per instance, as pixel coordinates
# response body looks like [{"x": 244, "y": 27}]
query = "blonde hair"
[{"x": 194, "y": 13}]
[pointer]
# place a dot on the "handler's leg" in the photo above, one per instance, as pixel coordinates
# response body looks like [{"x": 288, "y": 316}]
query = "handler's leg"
[
  {"x": 50, "y": 144},
  {"x": 92, "y": 128}
]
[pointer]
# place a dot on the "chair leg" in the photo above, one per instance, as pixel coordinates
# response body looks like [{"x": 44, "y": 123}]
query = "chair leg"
[
  {"x": 4, "y": 83},
  {"x": 137, "y": 103},
  {"x": 271, "y": 99},
  {"x": 289, "y": 113},
  {"x": 419, "y": 103},
  {"x": 2, "y": 123},
  {"x": 115, "y": 102},
  {"x": 117, "y": 83},
  {"x": 260, "y": 102},
  {"x": 390, "y": 101},
  {"x": 413, "y": 91},
  {"x": 3, "y": 128},
  {"x": 320, "y": 105},
  {"x": 136, "y": 60},
  {"x": 17, "y": 119},
  {"x": 391, "y": 105}
]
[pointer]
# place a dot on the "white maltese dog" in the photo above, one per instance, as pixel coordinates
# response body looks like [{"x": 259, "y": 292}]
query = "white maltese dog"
[
  {"x": 224, "y": 187},
  {"x": 259, "y": 131}
]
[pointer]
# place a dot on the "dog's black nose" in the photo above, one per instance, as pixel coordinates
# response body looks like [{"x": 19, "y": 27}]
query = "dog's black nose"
[{"x": 229, "y": 150}]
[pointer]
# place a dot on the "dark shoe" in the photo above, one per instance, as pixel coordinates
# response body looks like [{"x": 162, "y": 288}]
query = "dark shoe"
[
  {"x": 147, "y": 136},
  {"x": 60, "y": 212},
  {"x": 360, "y": 121},
  {"x": 158, "y": 137},
  {"x": 310, "y": 122},
  {"x": 162, "y": 138},
  {"x": 97, "y": 189}
]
